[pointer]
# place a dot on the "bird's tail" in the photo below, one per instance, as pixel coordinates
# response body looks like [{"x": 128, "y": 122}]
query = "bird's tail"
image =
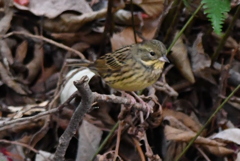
[{"x": 78, "y": 63}]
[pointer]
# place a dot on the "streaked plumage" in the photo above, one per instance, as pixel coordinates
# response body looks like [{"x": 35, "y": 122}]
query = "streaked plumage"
[{"x": 132, "y": 67}]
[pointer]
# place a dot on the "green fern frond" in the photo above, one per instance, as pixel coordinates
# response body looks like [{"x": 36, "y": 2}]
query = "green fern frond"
[{"x": 216, "y": 11}]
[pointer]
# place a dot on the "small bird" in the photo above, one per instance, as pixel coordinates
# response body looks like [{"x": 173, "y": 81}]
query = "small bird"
[{"x": 132, "y": 67}]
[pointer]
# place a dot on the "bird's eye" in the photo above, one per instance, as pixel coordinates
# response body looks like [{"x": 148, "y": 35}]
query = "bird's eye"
[{"x": 152, "y": 53}]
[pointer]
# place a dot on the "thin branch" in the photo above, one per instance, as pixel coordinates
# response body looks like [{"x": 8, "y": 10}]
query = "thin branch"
[
  {"x": 32, "y": 118},
  {"x": 119, "y": 100},
  {"x": 23, "y": 145},
  {"x": 97, "y": 97},
  {"x": 84, "y": 107},
  {"x": 46, "y": 40},
  {"x": 119, "y": 132},
  {"x": 149, "y": 151}
]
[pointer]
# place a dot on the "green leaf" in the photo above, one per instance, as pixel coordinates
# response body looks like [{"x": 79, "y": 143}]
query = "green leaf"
[{"x": 216, "y": 11}]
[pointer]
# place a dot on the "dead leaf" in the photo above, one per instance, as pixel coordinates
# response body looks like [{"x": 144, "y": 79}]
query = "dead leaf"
[
  {"x": 35, "y": 65},
  {"x": 230, "y": 42},
  {"x": 232, "y": 135},
  {"x": 71, "y": 23},
  {"x": 5, "y": 21},
  {"x": 47, "y": 80},
  {"x": 174, "y": 149},
  {"x": 5, "y": 77},
  {"x": 52, "y": 8},
  {"x": 185, "y": 136},
  {"x": 123, "y": 38},
  {"x": 21, "y": 52},
  {"x": 200, "y": 61},
  {"x": 173, "y": 122},
  {"x": 185, "y": 119},
  {"x": 234, "y": 78},
  {"x": 126, "y": 36},
  {"x": 179, "y": 57},
  {"x": 152, "y": 8},
  {"x": 89, "y": 139},
  {"x": 218, "y": 150},
  {"x": 6, "y": 53}
]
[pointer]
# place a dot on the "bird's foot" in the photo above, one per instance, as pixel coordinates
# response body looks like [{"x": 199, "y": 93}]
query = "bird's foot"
[{"x": 147, "y": 106}]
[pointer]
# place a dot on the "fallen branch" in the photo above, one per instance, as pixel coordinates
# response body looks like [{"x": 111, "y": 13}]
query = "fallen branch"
[{"x": 84, "y": 107}]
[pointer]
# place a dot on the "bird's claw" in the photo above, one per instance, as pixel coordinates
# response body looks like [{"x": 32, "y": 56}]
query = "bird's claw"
[{"x": 147, "y": 106}]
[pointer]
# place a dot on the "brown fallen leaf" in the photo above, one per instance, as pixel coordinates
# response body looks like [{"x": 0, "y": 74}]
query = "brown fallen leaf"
[
  {"x": 174, "y": 149},
  {"x": 89, "y": 140},
  {"x": 152, "y": 8},
  {"x": 126, "y": 36},
  {"x": 200, "y": 61},
  {"x": 9, "y": 81},
  {"x": 185, "y": 136},
  {"x": 72, "y": 23},
  {"x": 35, "y": 65},
  {"x": 218, "y": 150},
  {"x": 179, "y": 56},
  {"x": 52, "y": 8},
  {"x": 21, "y": 52},
  {"x": 123, "y": 38},
  {"x": 230, "y": 42},
  {"x": 47, "y": 80},
  {"x": 185, "y": 119}
]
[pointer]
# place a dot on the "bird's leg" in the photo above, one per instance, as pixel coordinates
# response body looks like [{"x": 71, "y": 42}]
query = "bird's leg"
[
  {"x": 148, "y": 107},
  {"x": 126, "y": 108}
]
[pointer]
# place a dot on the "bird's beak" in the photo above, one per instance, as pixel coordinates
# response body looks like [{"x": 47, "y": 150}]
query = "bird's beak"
[{"x": 164, "y": 59}]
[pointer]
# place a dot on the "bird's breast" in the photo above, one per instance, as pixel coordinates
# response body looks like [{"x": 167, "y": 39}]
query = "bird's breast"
[{"x": 134, "y": 78}]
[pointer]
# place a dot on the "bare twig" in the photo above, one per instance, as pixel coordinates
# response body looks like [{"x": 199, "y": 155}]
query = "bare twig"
[
  {"x": 23, "y": 145},
  {"x": 32, "y": 118},
  {"x": 97, "y": 97},
  {"x": 46, "y": 40},
  {"x": 84, "y": 106},
  {"x": 119, "y": 100},
  {"x": 203, "y": 153},
  {"x": 118, "y": 140}
]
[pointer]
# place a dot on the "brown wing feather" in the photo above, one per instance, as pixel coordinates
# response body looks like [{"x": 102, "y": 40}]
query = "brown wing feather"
[{"x": 112, "y": 61}]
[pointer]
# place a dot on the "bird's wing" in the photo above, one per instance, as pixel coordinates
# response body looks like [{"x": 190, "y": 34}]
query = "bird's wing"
[{"x": 113, "y": 61}]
